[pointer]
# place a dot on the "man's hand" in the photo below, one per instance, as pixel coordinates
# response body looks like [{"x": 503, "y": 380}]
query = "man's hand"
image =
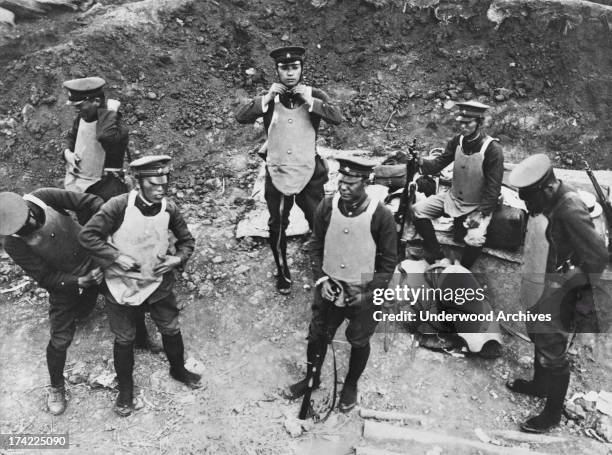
[
  {"x": 473, "y": 220},
  {"x": 356, "y": 300},
  {"x": 305, "y": 92},
  {"x": 72, "y": 159},
  {"x": 275, "y": 89},
  {"x": 327, "y": 291},
  {"x": 168, "y": 263},
  {"x": 127, "y": 263},
  {"x": 92, "y": 278}
]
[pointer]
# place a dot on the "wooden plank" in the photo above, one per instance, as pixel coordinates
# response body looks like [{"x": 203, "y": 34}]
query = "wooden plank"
[
  {"x": 373, "y": 451},
  {"x": 388, "y": 415},
  {"x": 526, "y": 437},
  {"x": 385, "y": 431}
]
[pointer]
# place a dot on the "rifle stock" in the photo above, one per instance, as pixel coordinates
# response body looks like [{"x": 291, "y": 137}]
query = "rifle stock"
[
  {"x": 605, "y": 203},
  {"x": 408, "y": 196}
]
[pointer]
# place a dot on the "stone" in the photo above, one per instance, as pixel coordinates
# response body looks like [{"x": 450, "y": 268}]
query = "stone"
[
  {"x": 293, "y": 427},
  {"x": 604, "y": 428}
]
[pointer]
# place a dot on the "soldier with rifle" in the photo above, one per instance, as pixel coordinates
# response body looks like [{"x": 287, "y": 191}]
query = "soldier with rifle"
[
  {"x": 477, "y": 178},
  {"x": 353, "y": 251},
  {"x": 575, "y": 259},
  {"x": 605, "y": 205}
]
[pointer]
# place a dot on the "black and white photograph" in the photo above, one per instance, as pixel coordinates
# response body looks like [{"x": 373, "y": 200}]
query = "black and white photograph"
[{"x": 306, "y": 227}]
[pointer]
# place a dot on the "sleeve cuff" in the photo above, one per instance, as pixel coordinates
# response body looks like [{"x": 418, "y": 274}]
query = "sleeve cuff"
[
  {"x": 264, "y": 105},
  {"x": 321, "y": 280}
]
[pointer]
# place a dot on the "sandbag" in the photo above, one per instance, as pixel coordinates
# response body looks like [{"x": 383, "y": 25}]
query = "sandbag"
[{"x": 507, "y": 228}]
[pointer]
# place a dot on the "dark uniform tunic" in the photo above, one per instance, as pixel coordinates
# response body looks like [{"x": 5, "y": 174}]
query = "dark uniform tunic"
[
  {"x": 313, "y": 192},
  {"x": 326, "y": 317},
  {"x": 492, "y": 168},
  {"x": 57, "y": 260},
  {"x": 573, "y": 241},
  {"x": 112, "y": 135},
  {"x": 162, "y": 302}
]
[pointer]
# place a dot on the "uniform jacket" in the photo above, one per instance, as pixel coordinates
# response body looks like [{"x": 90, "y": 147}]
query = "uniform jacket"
[
  {"x": 383, "y": 232},
  {"x": 492, "y": 168},
  {"x": 322, "y": 108},
  {"x": 85, "y": 205},
  {"x": 572, "y": 235},
  {"x": 103, "y": 224},
  {"x": 110, "y": 132}
]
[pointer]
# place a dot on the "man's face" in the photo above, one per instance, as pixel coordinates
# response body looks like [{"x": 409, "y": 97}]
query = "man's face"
[
  {"x": 536, "y": 199},
  {"x": 351, "y": 188},
  {"x": 466, "y": 126},
  {"x": 88, "y": 109},
  {"x": 153, "y": 189},
  {"x": 289, "y": 74}
]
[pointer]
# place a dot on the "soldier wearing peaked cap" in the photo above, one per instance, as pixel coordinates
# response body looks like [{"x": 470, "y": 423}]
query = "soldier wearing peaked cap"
[
  {"x": 575, "y": 257},
  {"x": 128, "y": 237},
  {"x": 353, "y": 252},
  {"x": 97, "y": 143},
  {"x": 292, "y": 112},
  {"x": 95, "y": 152},
  {"x": 477, "y": 178},
  {"x": 42, "y": 239}
]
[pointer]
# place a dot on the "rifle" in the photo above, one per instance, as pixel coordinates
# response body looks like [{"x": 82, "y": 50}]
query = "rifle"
[
  {"x": 407, "y": 198},
  {"x": 306, "y": 407},
  {"x": 605, "y": 204}
]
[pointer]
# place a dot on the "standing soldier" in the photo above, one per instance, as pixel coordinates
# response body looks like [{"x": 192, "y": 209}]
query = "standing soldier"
[
  {"x": 353, "y": 252},
  {"x": 129, "y": 238},
  {"x": 97, "y": 143},
  {"x": 42, "y": 239},
  {"x": 94, "y": 154},
  {"x": 477, "y": 179},
  {"x": 576, "y": 257},
  {"x": 292, "y": 112}
]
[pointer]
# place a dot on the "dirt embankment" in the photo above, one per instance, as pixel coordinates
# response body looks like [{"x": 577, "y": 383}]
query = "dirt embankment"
[{"x": 180, "y": 67}]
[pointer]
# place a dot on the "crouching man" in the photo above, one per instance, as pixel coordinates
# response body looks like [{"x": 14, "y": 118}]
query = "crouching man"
[
  {"x": 128, "y": 237},
  {"x": 42, "y": 239},
  {"x": 353, "y": 251}
]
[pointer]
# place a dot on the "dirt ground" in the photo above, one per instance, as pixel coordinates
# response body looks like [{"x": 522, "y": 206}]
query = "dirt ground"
[{"x": 180, "y": 68}]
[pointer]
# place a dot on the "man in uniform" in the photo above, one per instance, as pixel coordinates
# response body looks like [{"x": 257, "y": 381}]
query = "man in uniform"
[
  {"x": 95, "y": 152},
  {"x": 477, "y": 178},
  {"x": 576, "y": 257},
  {"x": 292, "y": 112},
  {"x": 42, "y": 239},
  {"x": 128, "y": 237},
  {"x": 97, "y": 143},
  {"x": 353, "y": 252}
]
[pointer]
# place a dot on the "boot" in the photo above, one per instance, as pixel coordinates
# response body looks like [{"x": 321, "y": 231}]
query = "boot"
[
  {"x": 536, "y": 387},
  {"x": 470, "y": 254},
  {"x": 143, "y": 340},
  {"x": 315, "y": 355},
  {"x": 551, "y": 415},
  {"x": 357, "y": 363},
  {"x": 124, "y": 366},
  {"x": 278, "y": 244},
  {"x": 175, "y": 351},
  {"x": 56, "y": 399},
  {"x": 425, "y": 228}
]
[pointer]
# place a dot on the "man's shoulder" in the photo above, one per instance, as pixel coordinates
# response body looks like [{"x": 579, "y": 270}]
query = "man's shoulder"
[
  {"x": 11, "y": 243},
  {"x": 383, "y": 211},
  {"x": 116, "y": 202}
]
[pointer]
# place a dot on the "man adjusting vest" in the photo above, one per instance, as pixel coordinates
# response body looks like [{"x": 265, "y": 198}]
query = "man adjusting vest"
[
  {"x": 128, "y": 237},
  {"x": 292, "y": 112},
  {"x": 353, "y": 252}
]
